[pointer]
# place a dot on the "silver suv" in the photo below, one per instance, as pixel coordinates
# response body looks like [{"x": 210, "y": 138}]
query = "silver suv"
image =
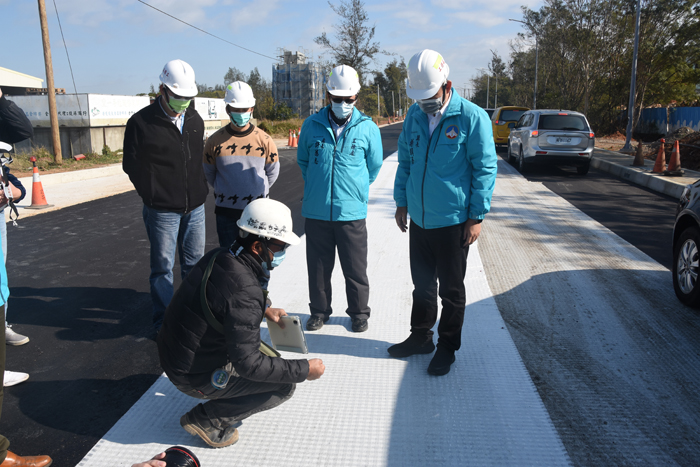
[{"x": 554, "y": 137}]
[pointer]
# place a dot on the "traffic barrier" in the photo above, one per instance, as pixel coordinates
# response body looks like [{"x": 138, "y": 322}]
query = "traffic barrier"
[
  {"x": 660, "y": 164},
  {"x": 639, "y": 157},
  {"x": 674, "y": 164},
  {"x": 38, "y": 197},
  {"x": 289, "y": 141},
  {"x": 295, "y": 140}
]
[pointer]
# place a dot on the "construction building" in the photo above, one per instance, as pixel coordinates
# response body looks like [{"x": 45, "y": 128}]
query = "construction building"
[{"x": 298, "y": 83}]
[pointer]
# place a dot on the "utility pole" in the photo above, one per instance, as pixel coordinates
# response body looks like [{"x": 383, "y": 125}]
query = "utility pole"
[
  {"x": 393, "y": 107},
  {"x": 53, "y": 113},
  {"x": 537, "y": 54},
  {"x": 495, "y": 100},
  {"x": 488, "y": 84},
  {"x": 630, "y": 108},
  {"x": 378, "y": 112}
]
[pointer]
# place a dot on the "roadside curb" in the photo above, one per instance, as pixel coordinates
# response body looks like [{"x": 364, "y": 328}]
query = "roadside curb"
[{"x": 620, "y": 165}]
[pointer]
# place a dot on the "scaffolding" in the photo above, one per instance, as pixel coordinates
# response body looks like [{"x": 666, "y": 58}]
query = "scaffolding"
[{"x": 298, "y": 83}]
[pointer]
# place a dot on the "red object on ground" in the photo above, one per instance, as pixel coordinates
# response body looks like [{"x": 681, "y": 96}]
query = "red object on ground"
[{"x": 660, "y": 163}]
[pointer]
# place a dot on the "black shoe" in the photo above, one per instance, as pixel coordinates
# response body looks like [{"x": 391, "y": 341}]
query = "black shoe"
[
  {"x": 441, "y": 362},
  {"x": 359, "y": 325},
  {"x": 316, "y": 322},
  {"x": 415, "y": 344},
  {"x": 214, "y": 437}
]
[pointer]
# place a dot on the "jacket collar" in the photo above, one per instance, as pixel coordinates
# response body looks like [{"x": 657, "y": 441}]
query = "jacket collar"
[
  {"x": 453, "y": 108},
  {"x": 159, "y": 112},
  {"x": 250, "y": 260}
]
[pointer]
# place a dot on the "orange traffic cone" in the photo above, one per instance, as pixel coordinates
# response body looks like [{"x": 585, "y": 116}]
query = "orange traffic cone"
[
  {"x": 674, "y": 165},
  {"x": 289, "y": 141},
  {"x": 295, "y": 140},
  {"x": 660, "y": 163},
  {"x": 38, "y": 197}
]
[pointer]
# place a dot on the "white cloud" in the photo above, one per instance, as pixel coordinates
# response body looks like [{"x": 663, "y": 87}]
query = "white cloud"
[{"x": 482, "y": 18}]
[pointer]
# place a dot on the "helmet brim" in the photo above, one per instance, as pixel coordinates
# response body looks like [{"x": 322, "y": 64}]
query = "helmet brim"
[
  {"x": 288, "y": 237},
  {"x": 344, "y": 92},
  {"x": 182, "y": 92},
  {"x": 420, "y": 94}
]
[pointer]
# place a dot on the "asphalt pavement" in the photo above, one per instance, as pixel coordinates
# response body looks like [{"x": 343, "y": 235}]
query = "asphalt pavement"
[{"x": 88, "y": 322}]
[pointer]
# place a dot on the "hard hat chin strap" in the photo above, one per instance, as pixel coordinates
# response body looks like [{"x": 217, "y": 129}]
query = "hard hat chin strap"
[{"x": 263, "y": 240}]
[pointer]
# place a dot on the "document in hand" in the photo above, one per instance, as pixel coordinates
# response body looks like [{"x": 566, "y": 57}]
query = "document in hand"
[{"x": 291, "y": 338}]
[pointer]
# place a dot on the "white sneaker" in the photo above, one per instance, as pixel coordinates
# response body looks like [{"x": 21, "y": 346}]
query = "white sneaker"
[
  {"x": 14, "y": 377},
  {"x": 14, "y": 338}
]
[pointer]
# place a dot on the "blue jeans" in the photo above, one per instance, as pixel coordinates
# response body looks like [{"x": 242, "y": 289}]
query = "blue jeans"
[
  {"x": 170, "y": 231},
  {"x": 226, "y": 229},
  {"x": 3, "y": 234}
]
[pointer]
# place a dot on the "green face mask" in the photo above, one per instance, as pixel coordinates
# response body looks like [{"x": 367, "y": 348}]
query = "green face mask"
[{"x": 178, "y": 105}]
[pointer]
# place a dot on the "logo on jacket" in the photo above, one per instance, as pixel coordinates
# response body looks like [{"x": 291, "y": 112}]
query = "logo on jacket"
[{"x": 452, "y": 131}]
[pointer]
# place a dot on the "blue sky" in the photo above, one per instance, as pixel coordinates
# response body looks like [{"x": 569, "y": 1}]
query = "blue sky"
[{"x": 120, "y": 46}]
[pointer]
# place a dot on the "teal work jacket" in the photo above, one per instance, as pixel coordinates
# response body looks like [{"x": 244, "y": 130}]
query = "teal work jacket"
[
  {"x": 448, "y": 177},
  {"x": 337, "y": 173}
]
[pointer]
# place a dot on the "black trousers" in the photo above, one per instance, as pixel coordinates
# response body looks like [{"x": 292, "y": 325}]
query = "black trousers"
[
  {"x": 350, "y": 238},
  {"x": 437, "y": 256},
  {"x": 240, "y": 399}
]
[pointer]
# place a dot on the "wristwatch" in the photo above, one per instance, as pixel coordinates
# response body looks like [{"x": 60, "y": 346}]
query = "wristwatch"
[{"x": 478, "y": 221}]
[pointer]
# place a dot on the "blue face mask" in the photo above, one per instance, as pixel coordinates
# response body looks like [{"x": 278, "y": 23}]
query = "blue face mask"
[
  {"x": 240, "y": 119},
  {"x": 277, "y": 259},
  {"x": 342, "y": 110}
]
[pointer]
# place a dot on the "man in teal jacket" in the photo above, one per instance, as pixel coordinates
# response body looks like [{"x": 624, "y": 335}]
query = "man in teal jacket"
[
  {"x": 445, "y": 179},
  {"x": 340, "y": 154}
]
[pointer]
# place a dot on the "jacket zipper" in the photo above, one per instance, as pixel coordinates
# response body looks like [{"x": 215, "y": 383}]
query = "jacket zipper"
[
  {"x": 335, "y": 145},
  {"x": 425, "y": 169},
  {"x": 182, "y": 147}
]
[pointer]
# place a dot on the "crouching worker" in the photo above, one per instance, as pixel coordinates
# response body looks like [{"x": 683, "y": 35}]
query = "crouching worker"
[{"x": 210, "y": 344}]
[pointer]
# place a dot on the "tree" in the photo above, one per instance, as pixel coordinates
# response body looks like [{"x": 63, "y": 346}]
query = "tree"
[
  {"x": 233, "y": 74},
  {"x": 354, "y": 43},
  {"x": 204, "y": 90},
  {"x": 396, "y": 75}
]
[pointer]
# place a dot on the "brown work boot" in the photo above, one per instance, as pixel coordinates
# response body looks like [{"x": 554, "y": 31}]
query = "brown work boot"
[{"x": 13, "y": 460}]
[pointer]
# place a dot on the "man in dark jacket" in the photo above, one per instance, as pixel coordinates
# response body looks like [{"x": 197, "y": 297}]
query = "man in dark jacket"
[
  {"x": 214, "y": 353},
  {"x": 163, "y": 147}
]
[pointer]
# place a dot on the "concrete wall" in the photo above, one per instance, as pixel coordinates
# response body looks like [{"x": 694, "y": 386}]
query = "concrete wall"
[{"x": 76, "y": 140}]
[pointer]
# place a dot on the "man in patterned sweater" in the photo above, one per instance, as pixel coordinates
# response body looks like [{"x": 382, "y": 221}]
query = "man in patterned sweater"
[{"x": 240, "y": 162}]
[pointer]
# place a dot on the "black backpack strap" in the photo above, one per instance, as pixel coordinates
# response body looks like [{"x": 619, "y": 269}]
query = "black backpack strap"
[{"x": 208, "y": 315}]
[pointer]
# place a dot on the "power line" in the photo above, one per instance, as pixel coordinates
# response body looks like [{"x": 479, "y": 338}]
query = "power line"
[
  {"x": 205, "y": 32},
  {"x": 68, "y": 56}
]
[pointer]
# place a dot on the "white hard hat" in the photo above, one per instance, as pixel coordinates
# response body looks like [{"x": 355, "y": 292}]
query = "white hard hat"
[
  {"x": 178, "y": 76},
  {"x": 343, "y": 81},
  {"x": 239, "y": 95},
  {"x": 268, "y": 218},
  {"x": 427, "y": 72}
]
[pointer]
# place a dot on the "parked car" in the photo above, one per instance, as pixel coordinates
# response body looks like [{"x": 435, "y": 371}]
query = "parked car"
[
  {"x": 500, "y": 119},
  {"x": 554, "y": 137},
  {"x": 489, "y": 112},
  {"x": 686, "y": 246}
]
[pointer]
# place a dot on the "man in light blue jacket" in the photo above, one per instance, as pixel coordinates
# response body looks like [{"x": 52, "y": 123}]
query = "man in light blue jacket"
[
  {"x": 340, "y": 154},
  {"x": 445, "y": 179}
]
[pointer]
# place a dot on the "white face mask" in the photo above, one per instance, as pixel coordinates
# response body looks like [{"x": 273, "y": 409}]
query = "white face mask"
[{"x": 342, "y": 110}]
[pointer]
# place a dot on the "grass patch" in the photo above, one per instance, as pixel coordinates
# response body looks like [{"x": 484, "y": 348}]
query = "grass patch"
[
  {"x": 280, "y": 129},
  {"x": 45, "y": 160}
]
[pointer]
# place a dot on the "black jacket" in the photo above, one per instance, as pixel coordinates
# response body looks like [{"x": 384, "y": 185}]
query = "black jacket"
[
  {"x": 164, "y": 165},
  {"x": 14, "y": 125},
  {"x": 190, "y": 350}
]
